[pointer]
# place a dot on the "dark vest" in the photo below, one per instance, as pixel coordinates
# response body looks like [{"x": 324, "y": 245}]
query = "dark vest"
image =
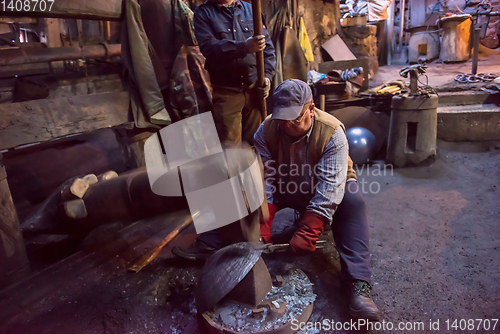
[{"x": 324, "y": 127}]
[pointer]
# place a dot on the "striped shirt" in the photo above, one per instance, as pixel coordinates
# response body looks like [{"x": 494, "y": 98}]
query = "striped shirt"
[{"x": 295, "y": 183}]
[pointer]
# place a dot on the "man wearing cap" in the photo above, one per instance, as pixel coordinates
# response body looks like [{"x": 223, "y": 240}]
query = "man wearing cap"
[
  {"x": 307, "y": 168},
  {"x": 224, "y": 30}
]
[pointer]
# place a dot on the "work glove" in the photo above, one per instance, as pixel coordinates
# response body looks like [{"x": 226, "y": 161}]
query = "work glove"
[
  {"x": 304, "y": 239},
  {"x": 265, "y": 226},
  {"x": 263, "y": 92},
  {"x": 255, "y": 44}
]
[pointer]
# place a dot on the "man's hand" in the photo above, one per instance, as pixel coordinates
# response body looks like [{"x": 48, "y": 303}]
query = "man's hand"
[
  {"x": 255, "y": 44},
  {"x": 263, "y": 92},
  {"x": 310, "y": 228}
]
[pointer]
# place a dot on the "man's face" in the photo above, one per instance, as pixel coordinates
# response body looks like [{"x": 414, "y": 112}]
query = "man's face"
[
  {"x": 224, "y": 2},
  {"x": 299, "y": 126}
]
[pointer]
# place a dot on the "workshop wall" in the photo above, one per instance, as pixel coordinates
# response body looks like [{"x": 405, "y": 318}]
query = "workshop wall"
[{"x": 321, "y": 19}]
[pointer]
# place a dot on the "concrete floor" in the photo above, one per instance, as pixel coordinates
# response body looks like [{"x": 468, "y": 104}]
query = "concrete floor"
[
  {"x": 434, "y": 241},
  {"x": 442, "y": 75}
]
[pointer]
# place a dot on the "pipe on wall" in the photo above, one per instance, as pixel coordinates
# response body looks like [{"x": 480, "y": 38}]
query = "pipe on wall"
[{"x": 22, "y": 56}]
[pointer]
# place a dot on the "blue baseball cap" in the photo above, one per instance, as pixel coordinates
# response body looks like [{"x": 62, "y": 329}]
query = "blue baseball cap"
[{"x": 289, "y": 99}]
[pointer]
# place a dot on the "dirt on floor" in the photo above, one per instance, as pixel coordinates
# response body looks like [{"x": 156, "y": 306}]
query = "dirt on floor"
[{"x": 435, "y": 244}]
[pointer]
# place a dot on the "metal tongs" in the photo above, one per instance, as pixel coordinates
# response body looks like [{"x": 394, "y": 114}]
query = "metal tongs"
[{"x": 271, "y": 248}]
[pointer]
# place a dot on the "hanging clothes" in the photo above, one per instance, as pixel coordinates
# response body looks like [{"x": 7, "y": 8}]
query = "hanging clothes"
[
  {"x": 291, "y": 62},
  {"x": 156, "y": 35},
  {"x": 305, "y": 44}
]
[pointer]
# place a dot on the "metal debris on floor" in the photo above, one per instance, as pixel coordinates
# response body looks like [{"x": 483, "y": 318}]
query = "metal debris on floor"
[{"x": 295, "y": 296}]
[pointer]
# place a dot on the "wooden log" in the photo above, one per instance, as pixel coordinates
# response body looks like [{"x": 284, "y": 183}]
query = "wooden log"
[
  {"x": 90, "y": 179},
  {"x": 75, "y": 209},
  {"x": 41, "y": 120},
  {"x": 111, "y": 174},
  {"x": 70, "y": 9},
  {"x": 79, "y": 187},
  {"x": 13, "y": 259}
]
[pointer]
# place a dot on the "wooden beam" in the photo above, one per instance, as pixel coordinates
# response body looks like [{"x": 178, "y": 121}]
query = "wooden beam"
[
  {"x": 53, "y": 33},
  {"x": 70, "y": 9},
  {"x": 17, "y": 19},
  {"x": 41, "y": 120}
]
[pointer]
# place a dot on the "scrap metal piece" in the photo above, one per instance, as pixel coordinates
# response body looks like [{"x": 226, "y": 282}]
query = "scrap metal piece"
[
  {"x": 280, "y": 281},
  {"x": 223, "y": 271}
]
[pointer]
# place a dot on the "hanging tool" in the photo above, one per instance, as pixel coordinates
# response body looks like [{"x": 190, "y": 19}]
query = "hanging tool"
[
  {"x": 257, "y": 25},
  {"x": 153, "y": 253}
]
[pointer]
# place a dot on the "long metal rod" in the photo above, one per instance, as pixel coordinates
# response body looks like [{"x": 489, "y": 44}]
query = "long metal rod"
[
  {"x": 42, "y": 55},
  {"x": 475, "y": 55},
  {"x": 390, "y": 33},
  {"x": 401, "y": 24},
  {"x": 153, "y": 253}
]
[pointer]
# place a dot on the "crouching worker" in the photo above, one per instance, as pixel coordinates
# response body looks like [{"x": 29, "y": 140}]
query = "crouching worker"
[{"x": 307, "y": 168}]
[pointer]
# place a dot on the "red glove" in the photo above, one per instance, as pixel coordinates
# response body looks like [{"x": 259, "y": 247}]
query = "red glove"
[
  {"x": 265, "y": 226},
  {"x": 305, "y": 237}
]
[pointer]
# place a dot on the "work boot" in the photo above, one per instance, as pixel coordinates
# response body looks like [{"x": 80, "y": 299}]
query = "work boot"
[
  {"x": 361, "y": 305},
  {"x": 199, "y": 251}
]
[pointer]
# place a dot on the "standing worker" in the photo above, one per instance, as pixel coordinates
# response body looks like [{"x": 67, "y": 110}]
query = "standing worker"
[
  {"x": 307, "y": 168},
  {"x": 377, "y": 15},
  {"x": 224, "y": 30}
]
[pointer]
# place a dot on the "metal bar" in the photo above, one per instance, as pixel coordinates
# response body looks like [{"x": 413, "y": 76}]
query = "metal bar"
[
  {"x": 153, "y": 253},
  {"x": 401, "y": 24},
  {"x": 38, "y": 55},
  {"x": 390, "y": 33},
  {"x": 475, "y": 55}
]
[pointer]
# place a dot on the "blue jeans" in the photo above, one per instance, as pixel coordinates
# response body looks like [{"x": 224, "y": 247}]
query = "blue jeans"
[{"x": 350, "y": 232}]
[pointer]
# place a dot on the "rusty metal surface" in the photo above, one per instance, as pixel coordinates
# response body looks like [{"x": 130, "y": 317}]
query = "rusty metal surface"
[
  {"x": 222, "y": 272},
  {"x": 17, "y": 56}
]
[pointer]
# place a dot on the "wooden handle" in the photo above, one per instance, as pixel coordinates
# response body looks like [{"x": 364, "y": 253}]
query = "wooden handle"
[{"x": 261, "y": 79}]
